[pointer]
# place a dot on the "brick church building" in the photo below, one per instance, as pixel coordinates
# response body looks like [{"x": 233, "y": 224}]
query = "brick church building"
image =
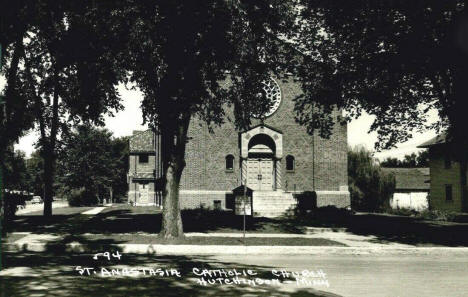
[{"x": 277, "y": 159}]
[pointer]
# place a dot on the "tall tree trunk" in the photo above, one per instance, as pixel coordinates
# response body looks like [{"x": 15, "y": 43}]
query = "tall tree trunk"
[
  {"x": 13, "y": 109},
  {"x": 48, "y": 181},
  {"x": 173, "y": 151},
  {"x": 2, "y": 205},
  {"x": 49, "y": 151}
]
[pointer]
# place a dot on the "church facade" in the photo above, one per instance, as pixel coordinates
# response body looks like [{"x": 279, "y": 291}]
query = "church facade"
[{"x": 275, "y": 158}]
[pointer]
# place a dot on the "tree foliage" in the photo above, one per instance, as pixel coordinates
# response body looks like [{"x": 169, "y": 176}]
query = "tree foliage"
[
  {"x": 15, "y": 172},
  {"x": 396, "y": 60},
  {"x": 92, "y": 164},
  {"x": 68, "y": 75},
  {"x": 412, "y": 160},
  {"x": 370, "y": 188},
  {"x": 35, "y": 169},
  {"x": 194, "y": 59}
]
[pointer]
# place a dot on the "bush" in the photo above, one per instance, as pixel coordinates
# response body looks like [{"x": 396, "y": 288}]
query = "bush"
[
  {"x": 432, "y": 215},
  {"x": 324, "y": 216},
  {"x": 81, "y": 197},
  {"x": 306, "y": 201},
  {"x": 370, "y": 188},
  {"x": 12, "y": 202},
  {"x": 438, "y": 215},
  {"x": 402, "y": 211}
]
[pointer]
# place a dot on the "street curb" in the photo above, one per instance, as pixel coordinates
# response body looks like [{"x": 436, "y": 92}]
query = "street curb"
[{"x": 161, "y": 249}]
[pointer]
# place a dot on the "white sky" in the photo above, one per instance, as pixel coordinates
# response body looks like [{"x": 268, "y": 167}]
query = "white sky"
[{"x": 124, "y": 122}]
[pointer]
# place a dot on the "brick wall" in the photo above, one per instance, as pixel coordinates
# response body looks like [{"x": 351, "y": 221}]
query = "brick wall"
[
  {"x": 194, "y": 199},
  {"x": 318, "y": 162}
]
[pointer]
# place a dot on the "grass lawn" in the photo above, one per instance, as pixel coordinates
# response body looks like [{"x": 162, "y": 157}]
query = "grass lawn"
[
  {"x": 128, "y": 219},
  {"x": 119, "y": 219},
  {"x": 61, "y": 211},
  {"x": 209, "y": 240}
]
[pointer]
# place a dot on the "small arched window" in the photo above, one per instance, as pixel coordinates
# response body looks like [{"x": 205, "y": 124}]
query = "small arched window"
[
  {"x": 290, "y": 163},
  {"x": 230, "y": 162}
]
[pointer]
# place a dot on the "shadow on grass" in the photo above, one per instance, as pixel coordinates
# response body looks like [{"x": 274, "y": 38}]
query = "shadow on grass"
[
  {"x": 389, "y": 228},
  {"x": 125, "y": 219},
  {"x": 409, "y": 230},
  {"x": 128, "y": 220},
  {"x": 53, "y": 273}
]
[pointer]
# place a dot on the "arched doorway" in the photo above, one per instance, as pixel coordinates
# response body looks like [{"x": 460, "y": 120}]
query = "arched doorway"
[{"x": 260, "y": 163}]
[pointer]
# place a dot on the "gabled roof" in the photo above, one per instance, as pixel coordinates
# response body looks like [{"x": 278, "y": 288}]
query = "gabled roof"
[
  {"x": 439, "y": 139},
  {"x": 142, "y": 141},
  {"x": 410, "y": 178}
]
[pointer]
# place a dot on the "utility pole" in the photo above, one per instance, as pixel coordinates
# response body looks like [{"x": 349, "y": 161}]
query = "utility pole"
[{"x": 245, "y": 202}]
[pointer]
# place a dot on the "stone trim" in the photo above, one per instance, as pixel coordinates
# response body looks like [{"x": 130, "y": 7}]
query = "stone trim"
[{"x": 276, "y": 136}]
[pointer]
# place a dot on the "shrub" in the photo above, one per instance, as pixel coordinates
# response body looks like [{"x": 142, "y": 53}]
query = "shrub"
[
  {"x": 404, "y": 211},
  {"x": 324, "y": 216},
  {"x": 12, "y": 202},
  {"x": 369, "y": 186},
  {"x": 438, "y": 215},
  {"x": 80, "y": 197},
  {"x": 306, "y": 201},
  {"x": 432, "y": 215}
]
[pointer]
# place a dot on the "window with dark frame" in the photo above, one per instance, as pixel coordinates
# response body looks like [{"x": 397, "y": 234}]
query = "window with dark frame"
[
  {"x": 290, "y": 163},
  {"x": 229, "y": 162},
  {"x": 143, "y": 158},
  {"x": 448, "y": 193},
  {"x": 447, "y": 162}
]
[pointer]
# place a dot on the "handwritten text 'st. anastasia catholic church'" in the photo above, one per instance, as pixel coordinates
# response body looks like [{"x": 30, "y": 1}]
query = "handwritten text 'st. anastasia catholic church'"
[{"x": 277, "y": 159}]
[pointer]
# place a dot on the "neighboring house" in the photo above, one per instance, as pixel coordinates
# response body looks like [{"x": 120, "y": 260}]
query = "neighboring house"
[
  {"x": 411, "y": 188},
  {"x": 446, "y": 185},
  {"x": 144, "y": 171},
  {"x": 275, "y": 158}
]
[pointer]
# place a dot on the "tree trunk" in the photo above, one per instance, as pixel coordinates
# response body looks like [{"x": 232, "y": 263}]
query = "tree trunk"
[
  {"x": 49, "y": 149},
  {"x": 173, "y": 152},
  {"x": 49, "y": 162},
  {"x": 2, "y": 205}
]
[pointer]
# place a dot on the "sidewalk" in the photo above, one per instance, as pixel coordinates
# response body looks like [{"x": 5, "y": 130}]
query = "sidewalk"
[{"x": 352, "y": 244}]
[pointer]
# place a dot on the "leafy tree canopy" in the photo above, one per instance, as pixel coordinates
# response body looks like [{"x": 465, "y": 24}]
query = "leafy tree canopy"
[
  {"x": 394, "y": 59},
  {"x": 412, "y": 160},
  {"x": 93, "y": 163}
]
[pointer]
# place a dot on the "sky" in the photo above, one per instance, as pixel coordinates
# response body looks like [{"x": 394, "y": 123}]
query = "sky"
[{"x": 129, "y": 119}]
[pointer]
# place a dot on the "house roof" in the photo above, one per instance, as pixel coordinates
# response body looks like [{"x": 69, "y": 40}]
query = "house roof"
[
  {"x": 410, "y": 178},
  {"x": 141, "y": 141},
  {"x": 439, "y": 139}
]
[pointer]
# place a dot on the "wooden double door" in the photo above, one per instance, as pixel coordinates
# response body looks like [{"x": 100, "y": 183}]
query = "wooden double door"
[{"x": 260, "y": 174}]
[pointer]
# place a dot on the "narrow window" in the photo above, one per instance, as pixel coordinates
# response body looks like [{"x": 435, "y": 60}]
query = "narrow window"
[
  {"x": 448, "y": 193},
  {"x": 230, "y": 162},
  {"x": 448, "y": 162},
  {"x": 143, "y": 158},
  {"x": 290, "y": 163}
]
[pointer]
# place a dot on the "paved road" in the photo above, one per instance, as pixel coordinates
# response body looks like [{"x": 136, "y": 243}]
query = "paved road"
[
  {"x": 380, "y": 275},
  {"x": 347, "y": 275}
]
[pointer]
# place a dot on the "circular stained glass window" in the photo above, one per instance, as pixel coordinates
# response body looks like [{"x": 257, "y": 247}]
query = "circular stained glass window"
[{"x": 272, "y": 92}]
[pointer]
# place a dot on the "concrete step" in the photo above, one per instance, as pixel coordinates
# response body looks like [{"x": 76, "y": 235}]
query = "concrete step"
[{"x": 272, "y": 204}]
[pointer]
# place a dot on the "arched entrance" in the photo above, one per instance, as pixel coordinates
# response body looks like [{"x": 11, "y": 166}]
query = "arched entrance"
[
  {"x": 261, "y": 150},
  {"x": 260, "y": 163}
]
